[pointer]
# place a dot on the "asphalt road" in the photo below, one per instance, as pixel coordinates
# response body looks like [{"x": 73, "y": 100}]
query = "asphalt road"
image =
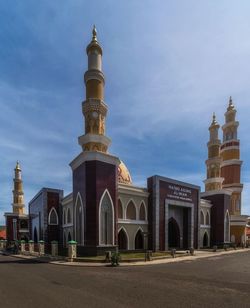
[{"x": 222, "y": 281}]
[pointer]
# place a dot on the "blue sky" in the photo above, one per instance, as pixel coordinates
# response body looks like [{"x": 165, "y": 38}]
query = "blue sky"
[{"x": 168, "y": 65}]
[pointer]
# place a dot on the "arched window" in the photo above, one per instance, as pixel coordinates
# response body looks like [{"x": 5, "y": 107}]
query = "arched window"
[
  {"x": 173, "y": 233},
  {"x": 142, "y": 214},
  {"x": 227, "y": 228},
  {"x": 131, "y": 211},
  {"x": 120, "y": 209},
  {"x": 202, "y": 218},
  {"x": 207, "y": 219},
  {"x": 106, "y": 220},
  {"x": 205, "y": 240},
  {"x": 122, "y": 240},
  {"x": 79, "y": 220},
  {"x": 139, "y": 240},
  {"x": 24, "y": 224},
  {"x": 53, "y": 218},
  {"x": 69, "y": 216}
]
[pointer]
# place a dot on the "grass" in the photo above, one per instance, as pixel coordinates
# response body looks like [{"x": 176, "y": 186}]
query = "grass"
[{"x": 126, "y": 256}]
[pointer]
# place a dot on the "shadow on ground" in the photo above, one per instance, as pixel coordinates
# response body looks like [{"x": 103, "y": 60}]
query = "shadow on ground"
[{"x": 21, "y": 261}]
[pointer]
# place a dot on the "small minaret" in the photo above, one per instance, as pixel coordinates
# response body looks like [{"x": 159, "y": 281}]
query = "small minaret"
[
  {"x": 214, "y": 179},
  {"x": 231, "y": 163},
  {"x": 18, "y": 195},
  {"x": 94, "y": 109}
]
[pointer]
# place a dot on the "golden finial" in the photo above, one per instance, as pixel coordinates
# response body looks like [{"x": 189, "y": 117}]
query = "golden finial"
[
  {"x": 18, "y": 166},
  {"x": 94, "y": 43},
  {"x": 230, "y": 105},
  {"x": 214, "y": 122},
  {"x": 94, "y": 33}
]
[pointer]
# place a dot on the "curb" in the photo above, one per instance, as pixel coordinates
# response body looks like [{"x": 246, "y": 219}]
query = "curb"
[{"x": 139, "y": 263}]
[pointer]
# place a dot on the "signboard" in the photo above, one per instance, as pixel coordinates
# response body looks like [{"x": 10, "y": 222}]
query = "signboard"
[{"x": 179, "y": 193}]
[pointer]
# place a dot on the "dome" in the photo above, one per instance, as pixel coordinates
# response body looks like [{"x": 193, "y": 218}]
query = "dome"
[{"x": 123, "y": 174}]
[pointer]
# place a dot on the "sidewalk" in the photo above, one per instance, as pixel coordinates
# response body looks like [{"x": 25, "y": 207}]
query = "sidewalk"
[{"x": 199, "y": 254}]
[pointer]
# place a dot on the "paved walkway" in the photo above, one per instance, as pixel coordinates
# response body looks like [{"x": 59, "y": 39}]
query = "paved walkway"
[{"x": 199, "y": 254}]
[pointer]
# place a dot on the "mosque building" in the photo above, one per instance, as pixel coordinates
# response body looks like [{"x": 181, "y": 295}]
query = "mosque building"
[{"x": 105, "y": 210}]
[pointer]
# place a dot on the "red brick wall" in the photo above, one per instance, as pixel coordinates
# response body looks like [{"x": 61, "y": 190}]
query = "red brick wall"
[{"x": 231, "y": 174}]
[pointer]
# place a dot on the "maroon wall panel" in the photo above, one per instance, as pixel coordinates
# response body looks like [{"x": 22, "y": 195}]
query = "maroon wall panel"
[
  {"x": 53, "y": 232},
  {"x": 91, "y": 179}
]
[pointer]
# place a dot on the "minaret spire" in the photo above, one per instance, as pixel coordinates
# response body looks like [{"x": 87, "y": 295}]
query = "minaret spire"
[
  {"x": 230, "y": 154},
  {"x": 214, "y": 180},
  {"x": 230, "y": 104},
  {"x": 94, "y": 108},
  {"x": 94, "y": 32},
  {"x": 214, "y": 122},
  {"x": 18, "y": 195}
]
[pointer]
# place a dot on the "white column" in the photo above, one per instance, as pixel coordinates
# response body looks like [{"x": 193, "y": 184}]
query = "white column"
[{"x": 72, "y": 250}]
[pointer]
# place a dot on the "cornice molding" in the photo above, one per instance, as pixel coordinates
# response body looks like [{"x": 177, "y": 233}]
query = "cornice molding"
[
  {"x": 84, "y": 139},
  {"x": 213, "y": 180},
  {"x": 231, "y": 162},
  {"x": 94, "y": 156},
  {"x": 216, "y": 192}
]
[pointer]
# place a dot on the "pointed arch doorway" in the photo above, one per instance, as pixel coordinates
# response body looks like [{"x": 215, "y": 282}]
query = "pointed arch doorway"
[
  {"x": 106, "y": 220},
  {"x": 173, "y": 234},
  {"x": 122, "y": 240},
  {"x": 205, "y": 240},
  {"x": 139, "y": 240}
]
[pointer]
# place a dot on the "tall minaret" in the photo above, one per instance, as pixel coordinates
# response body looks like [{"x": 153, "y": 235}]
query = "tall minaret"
[
  {"x": 95, "y": 171},
  {"x": 214, "y": 179},
  {"x": 231, "y": 163},
  {"x": 18, "y": 195},
  {"x": 94, "y": 109}
]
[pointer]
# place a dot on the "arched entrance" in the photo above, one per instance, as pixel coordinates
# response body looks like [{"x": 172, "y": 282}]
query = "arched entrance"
[
  {"x": 205, "y": 240},
  {"x": 173, "y": 234},
  {"x": 139, "y": 240},
  {"x": 122, "y": 240}
]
